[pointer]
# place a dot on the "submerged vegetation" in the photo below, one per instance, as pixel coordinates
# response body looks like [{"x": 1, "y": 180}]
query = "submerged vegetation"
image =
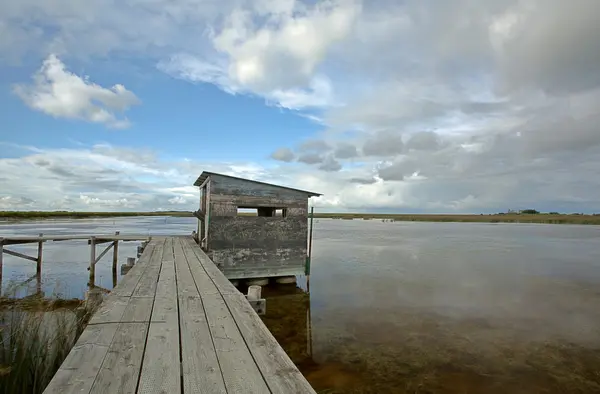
[
  {"x": 35, "y": 338},
  {"x": 422, "y": 352}
]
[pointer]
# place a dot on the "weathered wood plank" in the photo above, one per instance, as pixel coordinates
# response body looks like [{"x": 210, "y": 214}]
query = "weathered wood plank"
[
  {"x": 161, "y": 367},
  {"x": 204, "y": 283},
  {"x": 240, "y": 372},
  {"x": 224, "y": 285},
  {"x": 166, "y": 286},
  {"x": 121, "y": 367},
  {"x": 279, "y": 371},
  {"x": 21, "y": 255},
  {"x": 186, "y": 287},
  {"x": 79, "y": 370},
  {"x": 138, "y": 310},
  {"x": 111, "y": 310},
  {"x": 200, "y": 367},
  {"x": 146, "y": 287},
  {"x": 128, "y": 283}
]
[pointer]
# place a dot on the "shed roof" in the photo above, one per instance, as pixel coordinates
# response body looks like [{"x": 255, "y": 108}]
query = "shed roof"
[{"x": 206, "y": 174}]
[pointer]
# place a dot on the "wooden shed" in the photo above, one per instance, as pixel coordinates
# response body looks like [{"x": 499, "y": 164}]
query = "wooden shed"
[{"x": 252, "y": 229}]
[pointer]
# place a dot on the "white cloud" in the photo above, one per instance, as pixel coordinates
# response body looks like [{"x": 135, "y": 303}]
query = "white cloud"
[
  {"x": 459, "y": 105},
  {"x": 60, "y": 93}
]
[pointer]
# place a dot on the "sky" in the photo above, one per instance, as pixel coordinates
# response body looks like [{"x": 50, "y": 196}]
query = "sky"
[{"x": 421, "y": 106}]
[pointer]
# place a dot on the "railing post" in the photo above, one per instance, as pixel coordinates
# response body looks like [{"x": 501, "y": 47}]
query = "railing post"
[
  {"x": 115, "y": 261},
  {"x": 38, "y": 269},
  {"x": 92, "y": 261}
]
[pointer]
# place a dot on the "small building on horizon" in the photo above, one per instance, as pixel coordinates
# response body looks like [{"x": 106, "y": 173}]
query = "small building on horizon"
[{"x": 252, "y": 229}]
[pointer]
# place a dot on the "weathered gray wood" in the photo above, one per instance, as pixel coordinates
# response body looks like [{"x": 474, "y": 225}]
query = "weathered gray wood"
[
  {"x": 279, "y": 371},
  {"x": 92, "y": 267},
  {"x": 21, "y": 255},
  {"x": 129, "y": 282},
  {"x": 161, "y": 371},
  {"x": 120, "y": 369},
  {"x": 105, "y": 251},
  {"x": 179, "y": 306},
  {"x": 204, "y": 283},
  {"x": 224, "y": 285},
  {"x": 240, "y": 372},
  {"x": 115, "y": 259},
  {"x": 146, "y": 287},
  {"x": 38, "y": 269},
  {"x": 185, "y": 281},
  {"x": 111, "y": 310},
  {"x": 200, "y": 367},
  {"x": 79, "y": 370},
  {"x": 139, "y": 310},
  {"x": 12, "y": 240}
]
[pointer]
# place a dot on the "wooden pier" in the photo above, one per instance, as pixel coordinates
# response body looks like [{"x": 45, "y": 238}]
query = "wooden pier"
[{"x": 175, "y": 324}]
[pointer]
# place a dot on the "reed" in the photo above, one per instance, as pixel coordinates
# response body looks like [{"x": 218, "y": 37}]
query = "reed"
[{"x": 34, "y": 343}]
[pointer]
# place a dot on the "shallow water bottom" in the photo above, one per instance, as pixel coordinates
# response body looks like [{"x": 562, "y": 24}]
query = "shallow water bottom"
[{"x": 423, "y": 352}]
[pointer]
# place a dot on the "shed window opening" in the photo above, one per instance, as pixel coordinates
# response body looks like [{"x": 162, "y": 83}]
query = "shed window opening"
[{"x": 262, "y": 212}]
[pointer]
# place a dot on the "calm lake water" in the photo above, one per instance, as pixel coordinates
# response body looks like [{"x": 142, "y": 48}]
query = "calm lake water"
[{"x": 406, "y": 307}]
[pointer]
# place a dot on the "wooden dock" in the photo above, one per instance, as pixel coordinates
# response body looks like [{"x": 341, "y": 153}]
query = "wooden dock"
[{"x": 173, "y": 325}]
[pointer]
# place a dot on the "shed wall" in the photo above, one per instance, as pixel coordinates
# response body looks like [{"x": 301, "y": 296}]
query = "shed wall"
[{"x": 254, "y": 246}]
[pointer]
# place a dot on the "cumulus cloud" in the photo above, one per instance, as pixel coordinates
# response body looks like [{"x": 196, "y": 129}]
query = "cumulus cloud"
[
  {"x": 283, "y": 154},
  {"x": 310, "y": 158},
  {"x": 345, "y": 151},
  {"x": 62, "y": 94},
  {"x": 330, "y": 165},
  {"x": 383, "y": 144},
  {"x": 465, "y": 105}
]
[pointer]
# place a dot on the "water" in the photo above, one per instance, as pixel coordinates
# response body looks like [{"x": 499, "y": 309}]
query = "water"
[
  {"x": 64, "y": 263},
  {"x": 411, "y": 307}
]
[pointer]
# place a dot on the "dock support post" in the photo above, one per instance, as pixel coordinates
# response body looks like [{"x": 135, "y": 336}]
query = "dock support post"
[
  {"x": 92, "y": 261},
  {"x": 258, "y": 304},
  {"x": 308, "y": 257},
  {"x": 115, "y": 261}
]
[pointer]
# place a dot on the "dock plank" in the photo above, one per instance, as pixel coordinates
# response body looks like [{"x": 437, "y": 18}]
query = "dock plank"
[
  {"x": 129, "y": 282},
  {"x": 240, "y": 372},
  {"x": 203, "y": 282},
  {"x": 223, "y": 284},
  {"x": 185, "y": 281},
  {"x": 146, "y": 287},
  {"x": 200, "y": 367},
  {"x": 161, "y": 366},
  {"x": 280, "y": 373},
  {"x": 120, "y": 370}
]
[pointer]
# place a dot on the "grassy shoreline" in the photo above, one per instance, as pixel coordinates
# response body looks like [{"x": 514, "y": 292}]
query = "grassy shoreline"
[{"x": 8, "y": 216}]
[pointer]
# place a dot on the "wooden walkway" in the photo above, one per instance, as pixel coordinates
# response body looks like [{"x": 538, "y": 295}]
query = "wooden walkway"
[{"x": 173, "y": 325}]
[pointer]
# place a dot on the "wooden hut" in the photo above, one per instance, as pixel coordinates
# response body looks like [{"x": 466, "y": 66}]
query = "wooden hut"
[{"x": 252, "y": 229}]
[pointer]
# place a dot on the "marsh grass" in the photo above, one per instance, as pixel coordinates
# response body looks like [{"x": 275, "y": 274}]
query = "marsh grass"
[{"x": 35, "y": 341}]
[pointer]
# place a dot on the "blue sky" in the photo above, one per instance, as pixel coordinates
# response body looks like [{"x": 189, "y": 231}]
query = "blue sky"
[{"x": 391, "y": 106}]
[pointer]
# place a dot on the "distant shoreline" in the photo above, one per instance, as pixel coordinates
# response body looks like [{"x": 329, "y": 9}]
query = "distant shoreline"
[{"x": 10, "y": 216}]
